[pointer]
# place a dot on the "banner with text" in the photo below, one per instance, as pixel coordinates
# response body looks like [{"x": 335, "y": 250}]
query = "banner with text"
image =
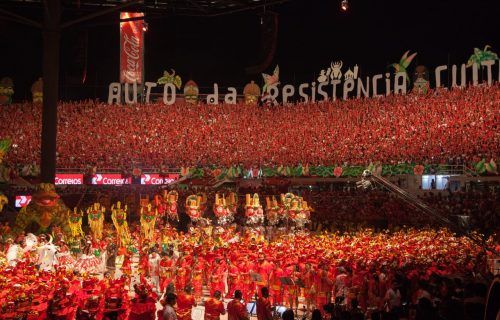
[
  {"x": 157, "y": 179},
  {"x": 68, "y": 178},
  {"x": 115, "y": 179},
  {"x": 131, "y": 47}
]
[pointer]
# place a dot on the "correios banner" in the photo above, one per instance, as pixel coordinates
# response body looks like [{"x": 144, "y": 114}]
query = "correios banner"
[
  {"x": 157, "y": 179},
  {"x": 114, "y": 179},
  {"x": 131, "y": 48},
  {"x": 68, "y": 178},
  {"x": 22, "y": 201}
]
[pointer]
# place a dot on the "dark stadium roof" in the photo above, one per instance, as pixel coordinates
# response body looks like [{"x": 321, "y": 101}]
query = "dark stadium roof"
[{"x": 152, "y": 7}]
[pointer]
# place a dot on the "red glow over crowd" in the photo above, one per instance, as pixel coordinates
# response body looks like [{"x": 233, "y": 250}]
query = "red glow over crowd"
[
  {"x": 444, "y": 125},
  {"x": 362, "y": 270}
]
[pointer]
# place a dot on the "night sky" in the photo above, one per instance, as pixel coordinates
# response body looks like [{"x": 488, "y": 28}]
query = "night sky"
[{"x": 312, "y": 33}]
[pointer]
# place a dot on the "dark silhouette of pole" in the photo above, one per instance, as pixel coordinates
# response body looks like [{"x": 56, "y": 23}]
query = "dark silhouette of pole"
[
  {"x": 51, "y": 41},
  {"x": 51, "y": 30}
]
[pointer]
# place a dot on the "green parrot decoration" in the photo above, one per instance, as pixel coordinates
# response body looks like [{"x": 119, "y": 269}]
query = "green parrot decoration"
[
  {"x": 479, "y": 167},
  {"x": 491, "y": 167},
  {"x": 4, "y": 147},
  {"x": 481, "y": 55},
  {"x": 483, "y": 167},
  {"x": 403, "y": 64},
  {"x": 170, "y": 78}
]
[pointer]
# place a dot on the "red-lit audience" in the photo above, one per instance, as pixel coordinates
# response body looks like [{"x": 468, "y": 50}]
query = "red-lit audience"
[{"x": 456, "y": 125}]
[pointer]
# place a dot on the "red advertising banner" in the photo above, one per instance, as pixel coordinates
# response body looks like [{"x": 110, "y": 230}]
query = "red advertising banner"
[
  {"x": 131, "y": 48},
  {"x": 115, "y": 179},
  {"x": 22, "y": 201},
  {"x": 155, "y": 178},
  {"x": 69, "y": 178}
]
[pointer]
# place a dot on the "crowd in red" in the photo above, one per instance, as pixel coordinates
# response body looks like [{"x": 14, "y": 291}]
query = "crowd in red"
[
  {"x": 443, "y": 125},
  {"x": 351, "y": 210},
  {"x": 363, "y": 271}
]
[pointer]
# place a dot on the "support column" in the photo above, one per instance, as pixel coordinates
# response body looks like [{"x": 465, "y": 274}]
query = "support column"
[{"x": 51, "y": 42}]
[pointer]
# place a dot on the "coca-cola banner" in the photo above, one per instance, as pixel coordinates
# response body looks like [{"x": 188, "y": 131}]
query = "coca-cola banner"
[
  {"x": 69, "y": 178},
  {"x": 131, "y": 48},
  {"x": 155, "y": 178}
]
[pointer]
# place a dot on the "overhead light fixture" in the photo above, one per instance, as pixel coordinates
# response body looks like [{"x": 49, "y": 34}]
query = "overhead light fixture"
[
  {"x": 344, "y": 5},
  {"x": 145, "y": 26}
]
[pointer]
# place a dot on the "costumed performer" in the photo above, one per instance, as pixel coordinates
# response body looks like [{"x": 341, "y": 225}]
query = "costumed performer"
[
  {"x": 185, "y": 303},
  {"x": 96, "y": 220},
  {"x": 88, "y": 263},
  {"x": 235, "y": 309},
  {"x": 171, "y": 203},
  {"x": 253, "y": 210},
  {"x": 214, "y": 307},
  {"x": 154, "y": 269},
  {"x": 193, "y": 207},
  {"x": 119, "y": 217},
  {"x": 64, "y": 257},
  {"x": 264, "y": 309},
  {"x": 148, "y": 220}
]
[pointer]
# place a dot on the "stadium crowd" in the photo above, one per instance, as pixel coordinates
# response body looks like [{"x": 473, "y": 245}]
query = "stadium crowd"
[
  {"x": 399, "y": 273},
  {"x": 355, "y": 209},
  {"x": 443, "y": 126}
]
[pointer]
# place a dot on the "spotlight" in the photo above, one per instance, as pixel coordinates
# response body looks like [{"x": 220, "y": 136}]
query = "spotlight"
[
  {"x": 344, "y": 5},
  {"x": 145, "y": 26}
]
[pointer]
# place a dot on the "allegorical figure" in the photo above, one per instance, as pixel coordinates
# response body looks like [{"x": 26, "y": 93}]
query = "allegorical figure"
[
  {"x": 119, "y": 217},
  {"x": 45, "y": 211},
  {"x": 95, "y": 216}
]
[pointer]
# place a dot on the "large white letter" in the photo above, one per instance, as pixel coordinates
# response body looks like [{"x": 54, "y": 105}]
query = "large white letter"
[
  {"x": 214, "y": 98},
  {"x": 475, "y": 74},
  {"x": 313, "y": 92},
  {"x": 149, "y": 85},
  {"x": 302, "y": 93},
  {"x": 273, "y": 94},
  {"x": 287, "y": 92},
  {"x": 400, "y": 86},
  {"x": 322, "y": 92},
  {"x": 166, "y": 99},
  {"x": 114, "y": 93},
  {"x": 374, "y": 84},
  {"x": 230, "y": 98},
  {"x": 463, "y": 78},
  {"x": 334, "y": 91},
  {"x": 488, "y": 64},
  {"x": 362, "y": 88},
  {"x": 387, "y": 84},
  {"x": 438, "y": 75},
  {"x": 348, "y": 87},
  {"x": 134, "y": 93}
]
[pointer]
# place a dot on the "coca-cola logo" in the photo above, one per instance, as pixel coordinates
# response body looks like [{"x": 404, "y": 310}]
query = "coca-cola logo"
[
  {"x": 68, "y": 178},
  {"x": 131, "y": 48}
]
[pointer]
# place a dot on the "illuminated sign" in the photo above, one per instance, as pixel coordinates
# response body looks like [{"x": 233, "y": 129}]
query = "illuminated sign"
[
  {"x": 156, "y": 179},
  {"x": 110, "y": 179}
]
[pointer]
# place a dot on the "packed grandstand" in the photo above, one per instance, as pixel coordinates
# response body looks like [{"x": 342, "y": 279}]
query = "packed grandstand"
[{"x": 457, "y": 126}]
